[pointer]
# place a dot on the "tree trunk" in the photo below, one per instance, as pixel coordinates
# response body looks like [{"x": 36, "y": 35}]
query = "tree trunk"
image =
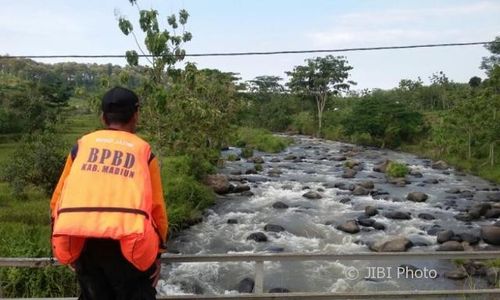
[{"x": 492, "y": 154}]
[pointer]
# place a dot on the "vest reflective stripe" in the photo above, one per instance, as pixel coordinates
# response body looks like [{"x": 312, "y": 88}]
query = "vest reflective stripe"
[
  {"x": 107, "y": 194},
  {"x": 103, "y": 209}
]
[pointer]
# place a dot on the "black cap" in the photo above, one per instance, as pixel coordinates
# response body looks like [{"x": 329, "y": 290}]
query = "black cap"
[{"x": 119, "y": 100}]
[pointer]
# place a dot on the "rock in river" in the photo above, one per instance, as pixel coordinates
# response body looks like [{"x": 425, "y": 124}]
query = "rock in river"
[
  {"x": 491, "y": 234},
  {"x": 444, "y": 236},
  {"x": 360, "y": 191},
  {"x": 451, "y": 246},
  {"x": 258, "y": 237},
  {"x": 280, "y": 205},
  {"x": 370, "y": 211},
  {"x": 312, "y": 195},
  {"x": 400, "y": 244},
  {"x": 219, "y": 183},
  {"x": 398, "y": 215},
  {"x": 274, "y": 228},
  {"x": 349, "y": 173},
  {"x": 350, "y": 226},
  {"x": 417, "y": 197},
  {"x": 246, "y": 286}
]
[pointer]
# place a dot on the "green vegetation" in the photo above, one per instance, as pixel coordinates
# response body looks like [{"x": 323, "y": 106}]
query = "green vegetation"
[
  {"x": 260, "y": 139},
  {"x": 25, "y": 231},
  {"x": 395, "y": 169}
]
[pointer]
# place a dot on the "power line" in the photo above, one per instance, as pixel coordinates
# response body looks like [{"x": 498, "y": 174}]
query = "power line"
[{"x": 267, "y": 52}]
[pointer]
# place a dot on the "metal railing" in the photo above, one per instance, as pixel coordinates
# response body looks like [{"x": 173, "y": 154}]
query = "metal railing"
[{"x": 260, "y": 258}]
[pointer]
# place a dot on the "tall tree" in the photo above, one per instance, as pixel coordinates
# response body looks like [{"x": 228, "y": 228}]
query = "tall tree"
[
  {"x": 163, "y": 50},
  {"x": 489, "y": 62},
  {"x": 321, "y": 77},
  {"x": 266, "y": 84}
]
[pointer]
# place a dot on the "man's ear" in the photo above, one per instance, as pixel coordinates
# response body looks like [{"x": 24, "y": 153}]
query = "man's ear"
[{"x": 103, "y": 120}]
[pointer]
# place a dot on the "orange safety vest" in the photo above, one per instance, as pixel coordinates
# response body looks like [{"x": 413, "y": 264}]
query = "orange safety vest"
[{"x": 107, "y": 194}]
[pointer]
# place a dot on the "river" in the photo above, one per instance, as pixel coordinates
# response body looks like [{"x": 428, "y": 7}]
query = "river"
[{"x": 310, "y": 225}]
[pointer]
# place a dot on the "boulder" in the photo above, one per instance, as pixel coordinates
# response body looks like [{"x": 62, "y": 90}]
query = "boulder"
[
  {"x": 218, "y": 183},
  {"x": 397, "y": 181},
  {"x": 378, "y": 226},
  {"x": 367, "y": 184},
  {"x": 464, "y": 217},
  {"x": 246, "y": 286},
  {"x": 453, "y": 191},
  {"x": 239, "y": 188},
  {"x": 416, "y": 174},
  {"x": 399, "y": 244},
  {"x": 360, "y": 191},
  {"x": 492, "y": 213},
  {"x": 350, "y": 226},
  {"x": 258, "y": 237},
  {"x": 480, "y": 208},
  {"x": 439, "y": 165},
  {"x": 382, "y": 167},
  {"x": 444, "y": 236},
  {"x": 370, "y": 211},
  {"x": 417, "y": 196},
  {"x": 274, "y": 228},
  {"x": 364, "y": 221},
  {"x": 247, "y": 193},
  {"x": 232, "y": 221},
  {"x": 290, "y": 157},
  {"x": 345, "y": 200},
  {"x": 256, "y": 160},
  {"x": 470, "y": 238},
  {"x": 491, "y": 234},
  {"x": 426, "y": 216},
  {"x": 431, "y": 181},
  {"x": 451, "y": 246},
  {"x": 398, "y": 215},
  {"x": 280, "y": 205},
  {"x": 457, "y": 274},
  {"x": 274, "y": 173},
  {"x": 349, "y": 173},
  {"x": 275, "y": 160},
  {"x": 312, "y": 195},
  {"x": 251, "y": 171},
  {"x": 493, "y": 276}
]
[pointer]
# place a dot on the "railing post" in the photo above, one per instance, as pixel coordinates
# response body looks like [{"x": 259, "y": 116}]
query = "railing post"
[{"x": 259, "y": 277}]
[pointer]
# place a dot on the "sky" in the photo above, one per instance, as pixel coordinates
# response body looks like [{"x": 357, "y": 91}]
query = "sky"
[{"x": 33, "y": 27}]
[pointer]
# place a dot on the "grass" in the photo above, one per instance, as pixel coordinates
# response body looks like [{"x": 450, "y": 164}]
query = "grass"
[
  {"x": 473, "y": 166},
  {"x": 25, "y": 232},
  {"x": 260, "y": 139},
  {"x": 396, "y": 170}
]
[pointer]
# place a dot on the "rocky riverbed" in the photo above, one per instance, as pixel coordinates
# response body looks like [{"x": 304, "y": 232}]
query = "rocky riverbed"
[{"x": 324, "y": 196}]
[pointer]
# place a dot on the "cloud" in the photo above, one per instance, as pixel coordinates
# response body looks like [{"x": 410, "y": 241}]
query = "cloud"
[{"x": 436, "y": 24}]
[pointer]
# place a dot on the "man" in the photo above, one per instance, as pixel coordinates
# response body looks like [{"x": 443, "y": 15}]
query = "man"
[{"x": 108, "y": 211}]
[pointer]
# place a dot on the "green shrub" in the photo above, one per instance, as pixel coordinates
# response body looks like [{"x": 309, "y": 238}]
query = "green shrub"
[
  {"x": 304, "y": 123},
  {"x": 363, "y": 138},
  {"x": 232, "y": 157},
  {"x": 38, "y": 162},
  {"x": 395, "y": 169},
  {"x": 247, "y": 152},
  {"x": 260, "y": 139}
]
